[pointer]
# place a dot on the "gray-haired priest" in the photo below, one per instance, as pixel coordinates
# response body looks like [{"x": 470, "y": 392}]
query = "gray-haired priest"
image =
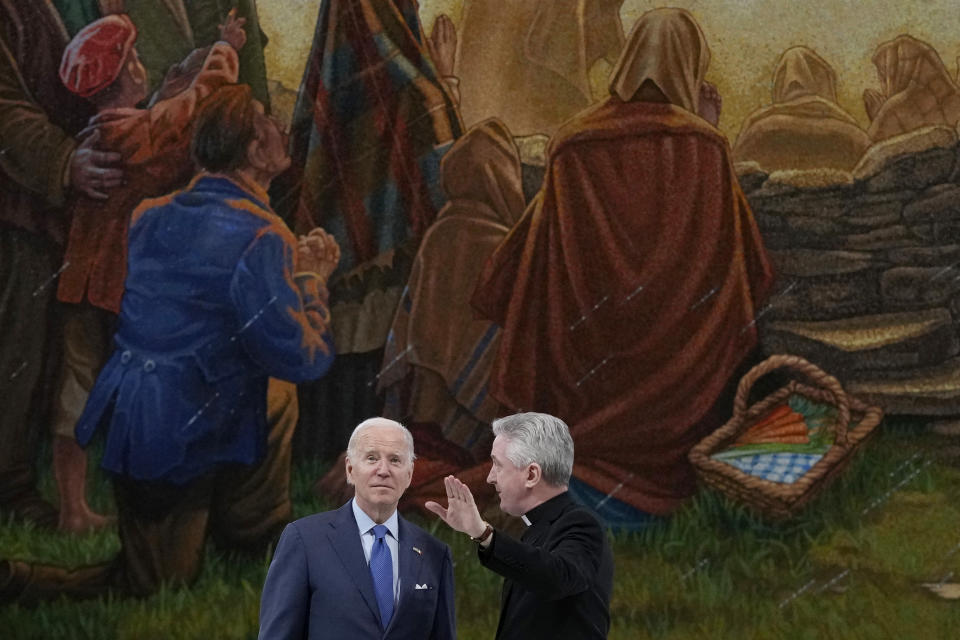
[{"x": 559, "y": 575}]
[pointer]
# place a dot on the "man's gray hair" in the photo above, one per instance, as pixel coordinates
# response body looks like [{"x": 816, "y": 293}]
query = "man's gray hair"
[
  {"x": 379, "y": 422},
  {"x": 541, "y": 438}
]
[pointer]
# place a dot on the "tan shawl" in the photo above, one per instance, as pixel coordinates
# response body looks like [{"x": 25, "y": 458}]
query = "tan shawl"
[
  {"x": 667, "y": 47},
  {"x": 804, "y": 128},
  {"x": 527, "y": 62},
  {"x": 916, "y": 89}
]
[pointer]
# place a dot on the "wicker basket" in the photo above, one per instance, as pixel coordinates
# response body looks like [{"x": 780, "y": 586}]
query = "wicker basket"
[{"x": 855, "y": 423}]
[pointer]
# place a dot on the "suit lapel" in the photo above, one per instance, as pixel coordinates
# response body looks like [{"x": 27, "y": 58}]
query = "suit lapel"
[
  {"x": 409, "y": 561},
  {"x": 345, "y": 539}
]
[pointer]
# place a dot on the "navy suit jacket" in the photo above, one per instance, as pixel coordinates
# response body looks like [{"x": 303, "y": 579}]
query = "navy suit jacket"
[{"x": 319, "y": 584}]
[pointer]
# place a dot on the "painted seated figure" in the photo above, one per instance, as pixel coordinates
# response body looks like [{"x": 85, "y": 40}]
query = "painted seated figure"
[
  {"x": 627, "y": 292},
  {"x": 805, "y": 127},
  {"x": 916, "y": 90}
]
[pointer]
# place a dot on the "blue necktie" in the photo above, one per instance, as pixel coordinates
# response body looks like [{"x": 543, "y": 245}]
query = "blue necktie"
[{"x": 381, "y": 568}]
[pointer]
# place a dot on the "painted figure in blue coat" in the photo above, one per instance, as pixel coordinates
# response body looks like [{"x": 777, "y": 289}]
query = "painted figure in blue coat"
[
  {"x": 223, "y": 309},
  {"x": 362, "y": 571}
]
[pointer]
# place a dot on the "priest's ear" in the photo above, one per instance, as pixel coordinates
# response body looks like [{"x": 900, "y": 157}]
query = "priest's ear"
[{"x": 534, "y": 475}]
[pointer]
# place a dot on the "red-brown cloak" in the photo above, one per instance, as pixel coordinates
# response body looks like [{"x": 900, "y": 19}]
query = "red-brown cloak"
[{"x": 627, "y": 294}]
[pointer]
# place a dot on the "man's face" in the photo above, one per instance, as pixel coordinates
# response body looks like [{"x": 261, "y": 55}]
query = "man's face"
[
  {"x": 273, "y": 141},
  {"x": 382, "y": 470},
  {"x": 509, "y": 481}
]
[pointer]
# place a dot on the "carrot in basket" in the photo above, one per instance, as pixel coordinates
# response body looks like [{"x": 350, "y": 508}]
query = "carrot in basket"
[
  {"x": 796, "y": 428},
  {"x": 804, "y": 439},
  {"x": 779, "y": 412},
  {"x": 776, "y": 421},
  {"x": 775, "y": 426},
  {"x": 788, "y": 418}
]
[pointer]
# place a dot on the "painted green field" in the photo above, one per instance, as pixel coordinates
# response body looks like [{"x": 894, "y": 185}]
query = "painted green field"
[{"x": 853, "y": 565}]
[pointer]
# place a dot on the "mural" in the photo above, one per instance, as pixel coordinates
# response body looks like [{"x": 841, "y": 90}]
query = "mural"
[{"x": 720, "y": 241}]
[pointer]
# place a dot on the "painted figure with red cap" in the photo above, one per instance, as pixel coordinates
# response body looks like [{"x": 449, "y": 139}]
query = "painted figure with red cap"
[{"x": 101, "y": 65}]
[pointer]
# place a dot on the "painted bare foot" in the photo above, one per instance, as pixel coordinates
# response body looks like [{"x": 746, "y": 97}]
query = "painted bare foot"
[{"x": 83, "y": 521}]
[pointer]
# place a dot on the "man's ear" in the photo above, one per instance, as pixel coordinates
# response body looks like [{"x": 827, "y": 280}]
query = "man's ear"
[
  {"x": 534, "y": 474},
  {"x": 255, "y": 155},
  {"x": 347, "y": 468}
]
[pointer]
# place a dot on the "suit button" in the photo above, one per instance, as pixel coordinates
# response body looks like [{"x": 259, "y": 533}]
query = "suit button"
[
  {"x": 125, "y": 357},
  {"x": 149, "y": 366}
]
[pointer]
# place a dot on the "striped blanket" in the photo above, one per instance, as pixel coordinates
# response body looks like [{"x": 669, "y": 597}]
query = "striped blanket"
[{"x": 371, "y": 123}]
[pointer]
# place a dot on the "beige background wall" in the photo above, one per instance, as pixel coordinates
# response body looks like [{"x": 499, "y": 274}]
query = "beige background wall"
[{"x": 745, "y": 37}]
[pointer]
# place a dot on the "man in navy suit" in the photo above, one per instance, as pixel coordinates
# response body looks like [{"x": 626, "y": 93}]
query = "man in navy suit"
[{"x": 362, "y": 571}]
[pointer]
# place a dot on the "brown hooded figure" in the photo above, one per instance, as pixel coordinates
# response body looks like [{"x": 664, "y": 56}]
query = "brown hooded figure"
[
  {"x": 439, "y": 354},
  {"x": 804, "y": 128},
  {"x": 627, "y": 293},
  {"x": 449, "y": 352},
  {"x": 916, "y": 90},
  {"x": 527, "y": 62}
]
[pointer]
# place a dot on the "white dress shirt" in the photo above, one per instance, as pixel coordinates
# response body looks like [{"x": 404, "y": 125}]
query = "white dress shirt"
[{"x": 365, "y": 525}]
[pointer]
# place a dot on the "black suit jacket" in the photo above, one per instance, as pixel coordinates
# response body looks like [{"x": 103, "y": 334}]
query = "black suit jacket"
[{"x": 558, "y": 576}]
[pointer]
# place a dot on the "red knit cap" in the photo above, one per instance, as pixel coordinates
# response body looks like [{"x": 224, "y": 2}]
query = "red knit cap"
[{"x": 95, "y": 56}]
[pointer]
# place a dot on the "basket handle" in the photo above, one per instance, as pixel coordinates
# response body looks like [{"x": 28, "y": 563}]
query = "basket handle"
[{"x": 812, "y": 372}]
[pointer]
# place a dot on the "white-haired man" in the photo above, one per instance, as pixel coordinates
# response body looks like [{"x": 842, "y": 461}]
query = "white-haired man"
[
  {"x": 362, "y": 571},
  {"x": 559, "y": 575}
]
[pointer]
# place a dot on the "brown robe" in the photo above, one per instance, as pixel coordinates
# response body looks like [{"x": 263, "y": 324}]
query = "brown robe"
[
  {"x": 437, "y": 344},
  {"x": 916, "y": 90},
  {"x": 804, "y": 128},
  {"x": 627, "y": 293},
  {"x": 38, "y": 118},
  {"x": 527, "y": 62}
]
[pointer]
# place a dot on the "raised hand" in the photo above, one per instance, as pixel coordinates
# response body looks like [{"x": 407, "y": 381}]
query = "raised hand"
[
  {"x": 442, "y": 45},
  {"x": 710, "y": 103},
  {"x": 461, "y": 513},
  {"x": 92, "y": 172},
  {"x": 231, "y": 31}
]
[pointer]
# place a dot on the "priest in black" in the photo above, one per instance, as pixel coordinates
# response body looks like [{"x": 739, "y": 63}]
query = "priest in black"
[{"x": 559, "y": 575}]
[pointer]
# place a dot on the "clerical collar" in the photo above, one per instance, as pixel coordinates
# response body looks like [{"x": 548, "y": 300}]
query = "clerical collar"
[{"x": 547, "y": 510}]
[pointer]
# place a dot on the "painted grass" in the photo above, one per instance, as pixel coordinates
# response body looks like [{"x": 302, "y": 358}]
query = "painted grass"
[{"x": 714, "y": 571}]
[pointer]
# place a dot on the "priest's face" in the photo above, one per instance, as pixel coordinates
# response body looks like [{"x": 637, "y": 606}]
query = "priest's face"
[{"x": 511, "y": 482}]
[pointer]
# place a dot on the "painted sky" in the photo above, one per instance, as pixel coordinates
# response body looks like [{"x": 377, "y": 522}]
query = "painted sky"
[{"x": 745, "y": 38}]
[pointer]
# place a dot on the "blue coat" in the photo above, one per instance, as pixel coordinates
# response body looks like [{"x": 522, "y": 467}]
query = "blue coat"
[
  {"x": 319, "y": 584},
  {"x": 211, "y": 308}
]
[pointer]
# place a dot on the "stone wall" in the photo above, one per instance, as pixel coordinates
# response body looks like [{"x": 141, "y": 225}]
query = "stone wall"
[{"x": 868, "y": 270}]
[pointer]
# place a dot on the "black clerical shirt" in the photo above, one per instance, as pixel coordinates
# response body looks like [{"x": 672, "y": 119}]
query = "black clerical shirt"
[{"x": 557, "y": 577}]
